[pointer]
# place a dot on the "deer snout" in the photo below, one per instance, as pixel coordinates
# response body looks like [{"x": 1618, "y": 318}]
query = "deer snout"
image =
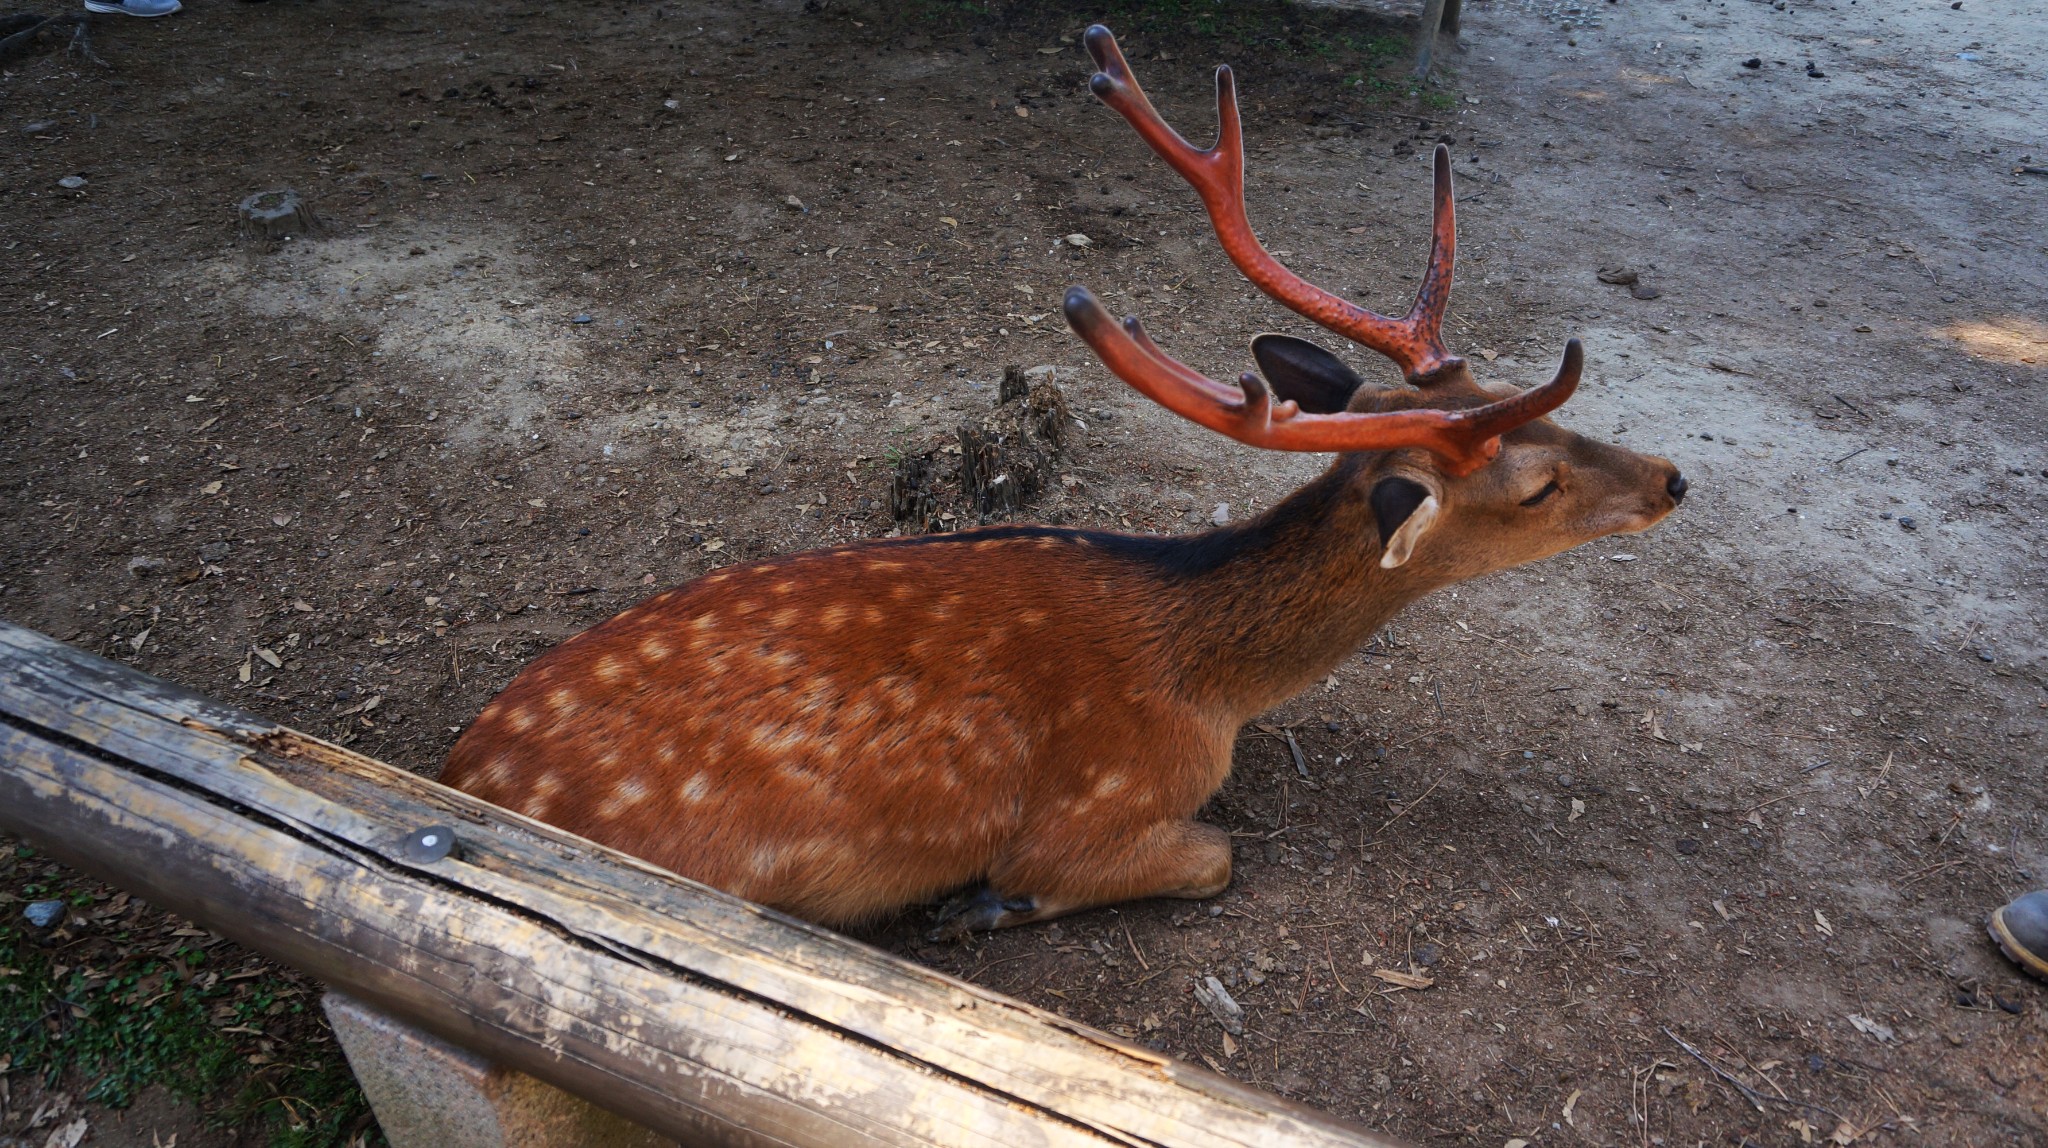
[{"x": 1675, "y": 486}]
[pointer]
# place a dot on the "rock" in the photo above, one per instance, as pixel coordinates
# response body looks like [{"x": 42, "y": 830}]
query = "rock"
[
  {"x": 71, "y": 182},
  {"x": 143, "y": 567},
  {"x": 1221, "y": 515},
  {"x": 43, "y": 914},
  {"x": 214, "y": 551},
  {"x": 1906, "y": 522}
]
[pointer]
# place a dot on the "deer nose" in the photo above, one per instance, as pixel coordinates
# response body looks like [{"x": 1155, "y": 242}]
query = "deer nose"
[{"x": 1675, "y": 486}]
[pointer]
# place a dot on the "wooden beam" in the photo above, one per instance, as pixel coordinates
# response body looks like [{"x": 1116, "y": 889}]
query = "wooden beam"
[{"x": 697, "y": 1014}]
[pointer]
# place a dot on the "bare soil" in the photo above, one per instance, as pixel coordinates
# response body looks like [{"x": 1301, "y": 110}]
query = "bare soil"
[{"x": 1690, "y": 835}]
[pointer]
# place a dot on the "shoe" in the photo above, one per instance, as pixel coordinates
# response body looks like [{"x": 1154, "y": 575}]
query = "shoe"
[
  {"x": 133, "y": 7},
  {"x": 2021, "y": 929}
]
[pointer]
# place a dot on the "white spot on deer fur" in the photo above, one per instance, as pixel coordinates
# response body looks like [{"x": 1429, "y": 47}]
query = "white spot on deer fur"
[
  {"x": 626, "y": 796},
  {"x": 785, "y": 586},
  {"x": 654, "y": 649},
  {"x": 520, "y": 720},
  {"x": 564, "y": 702},
  {"x": 695, "y": 789},
  {"x": 765, "y": 859},
  {"x": 704, "y": 623},
  {"x": 1109, "y": 784},
  {"x": 610, "y": 668},
  {"x": 834, "y": 616},
  {"x": 498, "y": 772},
  {"x": 786, "y": 617}
]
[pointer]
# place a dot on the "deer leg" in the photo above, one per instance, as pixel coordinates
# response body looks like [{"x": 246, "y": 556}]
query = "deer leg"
[{"x": 1183, "y": 859}]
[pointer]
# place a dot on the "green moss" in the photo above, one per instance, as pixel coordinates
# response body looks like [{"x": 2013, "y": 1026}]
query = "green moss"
[{"x": 118, "y": 1010}]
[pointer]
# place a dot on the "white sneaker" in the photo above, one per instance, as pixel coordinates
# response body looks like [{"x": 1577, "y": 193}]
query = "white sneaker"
[{"x": 133, "y": 7}]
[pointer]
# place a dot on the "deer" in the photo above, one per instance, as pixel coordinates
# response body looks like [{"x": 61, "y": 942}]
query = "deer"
[{"x": 843, "y": 733}]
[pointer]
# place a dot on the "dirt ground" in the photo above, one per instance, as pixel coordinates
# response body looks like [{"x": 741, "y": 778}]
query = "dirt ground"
[{"x": 1690, "y": 834}]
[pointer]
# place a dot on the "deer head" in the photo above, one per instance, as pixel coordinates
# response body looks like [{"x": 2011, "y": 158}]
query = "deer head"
[{"x": 1466, "y": 479}]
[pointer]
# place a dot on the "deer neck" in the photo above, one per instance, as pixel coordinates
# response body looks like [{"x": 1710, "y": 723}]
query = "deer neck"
[{"x": 1277, "y": 602}]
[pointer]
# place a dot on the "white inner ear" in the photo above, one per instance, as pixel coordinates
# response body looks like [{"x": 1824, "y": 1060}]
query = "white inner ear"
[{"x": 1402, "y": 544}]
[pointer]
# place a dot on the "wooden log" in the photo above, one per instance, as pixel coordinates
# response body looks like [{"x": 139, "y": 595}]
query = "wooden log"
[{"x": 699, "y": 1015}]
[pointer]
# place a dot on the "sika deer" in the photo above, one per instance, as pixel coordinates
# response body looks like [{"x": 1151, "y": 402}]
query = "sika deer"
[{"x": 843, "y": 732}]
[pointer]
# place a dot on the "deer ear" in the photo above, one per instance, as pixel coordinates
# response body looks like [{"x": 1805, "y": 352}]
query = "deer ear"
[
  {"x": 1406, "y": 510},
  {"x": 1314, "y": 378}
]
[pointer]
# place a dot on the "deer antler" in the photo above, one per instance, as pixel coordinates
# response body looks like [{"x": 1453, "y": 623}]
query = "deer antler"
[
  {"x": 1464, "y": 440},
  {"x": 1217, "y": 175}
]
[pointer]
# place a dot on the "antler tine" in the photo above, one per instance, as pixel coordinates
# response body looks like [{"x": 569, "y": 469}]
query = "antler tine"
[
  {"x": 1464, "y": 440},
  {"x": 1217, "y": 175}
]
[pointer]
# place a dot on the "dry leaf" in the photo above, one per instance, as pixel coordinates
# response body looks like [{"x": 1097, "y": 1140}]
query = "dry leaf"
[
  {"x": 1827, "y": 927},
  {"x": 1578, "y": 810},
  {"x": 712, "y": 545},
  {"x": 1882, "y": 1033},
  {"x": 270, "y": 657},
  {"x": 949, "y": 221},
  {"x": 211, "y": 487},
  {"x": 281, "y": 519},
  {"x": 70, "y": 1134},
  {"x": 1403, "y": 980},
  {"x": 1571, "y": 1102},
  {"x": 135, "y": 643},
  {"x": 1229, "y": 1046}
]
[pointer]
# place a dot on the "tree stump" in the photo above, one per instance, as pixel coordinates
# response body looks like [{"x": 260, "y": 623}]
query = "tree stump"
[
  {"x": 1009, "y": 455},
  {"x": 275, "y": 215},
  {"x": 917, "y": 494}
]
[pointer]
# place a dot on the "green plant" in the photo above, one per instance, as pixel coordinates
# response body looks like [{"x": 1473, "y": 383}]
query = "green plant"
[{"x": 115, "y": 1009}]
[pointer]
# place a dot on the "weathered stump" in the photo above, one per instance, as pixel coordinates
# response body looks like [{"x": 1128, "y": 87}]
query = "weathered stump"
[
  {"x": 1009, "y": 455},
  {"x": 275, "y": 215}
]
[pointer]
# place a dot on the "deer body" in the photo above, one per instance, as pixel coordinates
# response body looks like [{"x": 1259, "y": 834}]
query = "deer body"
[
  {"x": 1036, "y": 714},
  {"x": 841, "y": 732}
]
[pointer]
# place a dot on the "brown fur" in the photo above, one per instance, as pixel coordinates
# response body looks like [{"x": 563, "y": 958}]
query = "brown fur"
[{"x": 843, "y": 732}]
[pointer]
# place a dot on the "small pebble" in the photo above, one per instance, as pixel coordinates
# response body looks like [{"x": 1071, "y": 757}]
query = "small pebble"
[
  {"x": 71, "y": 182},
  {"x": 581, "y": 319},
  {"x": 1688, "y": 846},
  {"x": 1566, "y": 780},
  {"x": 1906, "y": 523},
  {"x": 43, "y": 914}
]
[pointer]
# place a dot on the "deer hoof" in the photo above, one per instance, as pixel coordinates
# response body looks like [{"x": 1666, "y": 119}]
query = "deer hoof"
[{"x": 979, "y": 911}]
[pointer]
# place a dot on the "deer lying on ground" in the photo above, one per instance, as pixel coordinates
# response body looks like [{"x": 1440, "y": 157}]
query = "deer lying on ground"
[{"x": 844, "y": 732}]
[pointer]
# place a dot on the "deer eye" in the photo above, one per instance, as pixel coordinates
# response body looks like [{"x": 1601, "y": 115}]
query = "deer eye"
[{"x": 1549, "y": 488}]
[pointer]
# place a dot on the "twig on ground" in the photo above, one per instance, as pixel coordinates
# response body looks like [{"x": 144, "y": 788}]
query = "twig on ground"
[{"x": 1755, "y": 1098}]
